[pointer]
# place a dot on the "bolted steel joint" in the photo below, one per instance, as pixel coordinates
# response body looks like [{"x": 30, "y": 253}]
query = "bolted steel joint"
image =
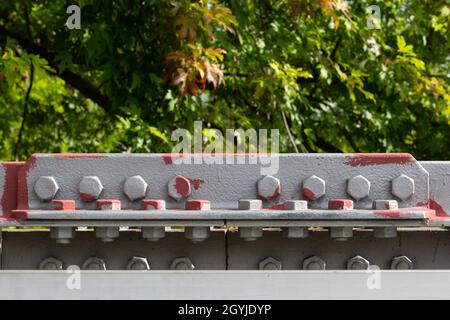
[
  {"x": 138, "y": 263},
  {"x": 403, "y": 187},
  {"x": 135, "y": 188},
  {"x": 250, "y": 233},
  {"x": 314, "y": 263},
  {"x": 402, "y": 263},
  {"x": 46, "y": 188},
  {"x": 313, "y": 187},
  {"x": 358, "y": 187},
  {"x": 62, "y": 235},
  {"x": 358, "y": 263},
  {"x": 197, "y": 234},
  {"x": 270, "y": 264},
  {"x": 182, "y": 264},
  {"x": 179, "y": 188},
  {"x": 94, "y": 263},
  {"x": 90, "y": 188},
  {"x": 107, "y": 234},
  {"x": 269, "y": 187},
  {"x": 51, "y": 264}
]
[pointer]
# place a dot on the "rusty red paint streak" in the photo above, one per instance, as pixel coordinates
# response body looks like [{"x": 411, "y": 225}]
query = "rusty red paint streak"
[
  {"x": 9, "y": 197},
  {"x": 371, "y": 159},
  {"x": 183, "y": 186},
  {"x": 434, "y": 205},
  {"x": 387, "y": 213},
  {"x": 167, "y": 158},
  {"x": 277, "y": 207},
  {"x": 196, "y": 204},
  {"x": 339, "y": 204},
  {"x": 87, "y": 197},
  {"x": 64, "y": 204},
  {"x": 156, "y": 204},
  {"x": 196, "y": 183},
  {"x": 308, "y": 194},
  {"x": 275, "y": 194},
  {"x": 19, "y": 214},
  {"x": 22, "y": 187}
]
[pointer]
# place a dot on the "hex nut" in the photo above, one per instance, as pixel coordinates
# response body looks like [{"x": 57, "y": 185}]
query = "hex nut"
[
  {"x": 182, "y": 264},
  {"x": 107, "y": 234},
  {"x": 90, "y": 188},
  {"x": 358, "y": 263},
  {"x": 295, "y": 232},
  {"x": 403, "y": 187},
  {"x": 270, "y": 264},
  {"x": 314, "y": 263},
  {"x": 179, "y": 188},
  {"x": 269, "y": 187},
  {"x": 250, "y": 233},
  {"x": 46, "y": 188},
  {"x": 250, "y": 204},
  {"x": 135, "y": 188},
  {"x": 313, "y": 187},
  {"x": 402, "y": 263},
  {"x": 358, "y": 187},
  {"x": 51, "y": 264},
  {"x": 62, "y": 235},
  {"x": 94, "y": 263},
  {"x": 385, "y": 204},
  {"x": 197, "y": 234},
  {"x": 341, "y": 233},
  {"x": 153, "y": 233},
  {"x": 138, "y": 263},
  {"x": 295, "y": 205}
]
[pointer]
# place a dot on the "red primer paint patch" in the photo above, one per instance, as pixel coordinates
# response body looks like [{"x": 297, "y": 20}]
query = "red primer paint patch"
[
  {"x": 277, "y": 207},
  {"x": 432, "y": 204},
  {"x": 275, "y": 194},
  {"x": 183, "y": 186},
  {"x": 9, "y": 197},
  {"x": 19, "y": 214},
  {"x": 168, "y": 158},
  {"x": 387, "y": 213},
  {"x": 308, "y": 194},
  {"x": 196, "y": 183},
  {"x": 372, "y": 159},
  {"x": 64, "y": 204},
  {"x": 22, "y": 187},
  {"x": 88, "y": 197}
]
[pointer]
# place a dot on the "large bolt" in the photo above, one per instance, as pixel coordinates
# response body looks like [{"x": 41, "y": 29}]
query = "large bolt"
[
  {"x": 314, "y": 263},
  {"x": 270, "y": 264},
  {"x": 341, "y": 233},
  {"x": 385, "y": 204},
  {"x": 269, "y": 187},
  {"x": 94, "y": 263},
  {"x": 51, "y": 264},
  {"x": 313, "y": 188},
  {"x": 358, "y": 263},
  {"x": 138, "y": 263},
  {"x": 107, "y": 234},
  {"x": 358, "y": 187},
  {"x": 197, "y": 234},
  {"x": 402, "y": 263},
  {"x": 63, "y": 235},
  {"x": 46, "y": 188},
  {"x": 403, "y": 187},
  {"x": 90, "y": 188},
  {"x": 182, "y": 264},
  {"x": 250, "y": 233},
  {"x": 179, "y": 188},
  {"x": 250, "y": 204},
  {"x": 153, "y": 233},
  {"x": 135, "y": 188}
]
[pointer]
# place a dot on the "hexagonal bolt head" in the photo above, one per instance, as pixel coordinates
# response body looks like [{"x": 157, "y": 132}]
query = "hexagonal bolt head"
[
  {"x": 385, "y": 232},
  {"x": 295, "y": 205},
  {"x": 358, "y": 187},
  {"x": 179, "y": 188},
  {"x": 182, "y": 264},
  {"x": 135, "y": 188},
  {"x": 153, "y": 233},
  {"x": 107, "y": 234},
  {"x": 198, "y": 205},
  {"x": 295, "y": 232},
  {"x": 403, "y": 187},
  {"x": 90, "y": 188},
  {"x": 249, "y": 204},
  {"x": 197, "y": 234},
  {"x": 154, "y": 204},
  {"x": 270, "y": 264},
  {"x": 250, "y": 233},
  {"x": 94, "y": 263},
  {"x": 313, "y": 188},
  {"x": 138, "y": 263},
  {"x": 385, "y": 204},
  {"x": 402, "y": 263},
  {"x": 314, "y": 263},
  {"x": 341, "y": 233},
  {"x": 51, "y": 264},
  {"x": 269, "y": 187},
  {"x": 46, "y": 188},
  {"x": 358, "y": 263},
  {"x": 63, "y": 235}
]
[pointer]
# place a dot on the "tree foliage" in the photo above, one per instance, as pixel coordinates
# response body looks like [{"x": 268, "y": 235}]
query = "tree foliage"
[{"x": 137, "y": 70}]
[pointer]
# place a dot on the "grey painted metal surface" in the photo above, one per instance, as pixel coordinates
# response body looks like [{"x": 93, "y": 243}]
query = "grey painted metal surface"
[{"x": 254, "y": 285}]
